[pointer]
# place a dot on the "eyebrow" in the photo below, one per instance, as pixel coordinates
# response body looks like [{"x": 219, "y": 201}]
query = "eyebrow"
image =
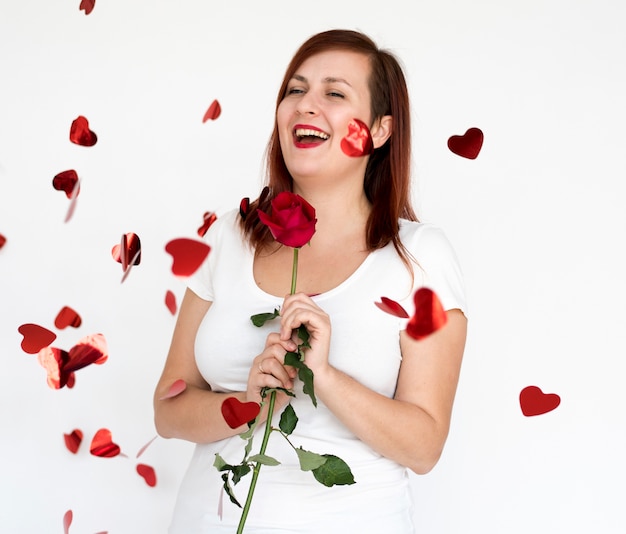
[{"x": 328, "y": 79}]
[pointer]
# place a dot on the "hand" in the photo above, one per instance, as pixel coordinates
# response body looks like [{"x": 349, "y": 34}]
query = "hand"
[
  {"x": 268, "y": 369},
  {"x": 297, "y": 310}
]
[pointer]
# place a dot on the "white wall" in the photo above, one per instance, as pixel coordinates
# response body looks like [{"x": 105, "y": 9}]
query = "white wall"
[{"x": 537, "y": 220}]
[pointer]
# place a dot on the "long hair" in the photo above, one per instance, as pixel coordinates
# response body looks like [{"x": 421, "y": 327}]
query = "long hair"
[{"x": 387, "y": 175}]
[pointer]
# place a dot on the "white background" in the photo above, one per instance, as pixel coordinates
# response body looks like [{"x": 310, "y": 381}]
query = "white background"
[{"x": 537, "y": 220}]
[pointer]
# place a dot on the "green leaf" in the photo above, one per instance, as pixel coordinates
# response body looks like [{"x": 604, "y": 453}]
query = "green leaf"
[
  {"x": 334, "y": 472},
  {"x": 306, "y": 375},
  {"x": 309, "y": 460},
  {"x": 264, "y": 459},
  {"x": 292, "y": 359},
  {"x": 239, "y": 471},
  {"x": 288, "y": 420},
  {"x": 229, "y": 490},
  {"x": 304, "y": 335},
  {"x": 220, "y": 464},
  {"x": 261, "y": 318}
]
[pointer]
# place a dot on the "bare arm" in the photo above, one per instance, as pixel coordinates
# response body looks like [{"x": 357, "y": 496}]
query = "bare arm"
[{"x": 412, "y": 427}]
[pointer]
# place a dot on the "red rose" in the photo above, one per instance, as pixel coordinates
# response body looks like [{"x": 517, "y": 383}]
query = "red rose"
[{"x": 292, "y": 221}]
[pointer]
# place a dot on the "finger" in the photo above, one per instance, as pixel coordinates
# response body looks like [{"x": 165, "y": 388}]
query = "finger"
[{"x": 275, "y": 339}]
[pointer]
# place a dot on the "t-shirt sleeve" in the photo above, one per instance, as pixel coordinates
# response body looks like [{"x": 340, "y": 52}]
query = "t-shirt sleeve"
[{"x": 437, "y": 267}]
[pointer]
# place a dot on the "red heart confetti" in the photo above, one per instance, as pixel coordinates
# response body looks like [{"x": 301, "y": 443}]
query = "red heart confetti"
[
  {"x": 143, "y": 449},
  {"x": 66, "y": 181},
  {"x": 392, "y": 307},
  {"x": 35, "y": 337},
  {"x": 67, "y": 317},
  {"x": 467, "y": 145},
  {"x": 80, "y": 134},
  {"x": 60, "y": 365},
  {"x": 358, "y": 142},
  {"x": 73, "y": 440},
  {"x": 209, "y": 219},
  {"x": 429, "y": 314},
  {"x": 533, "y": 401},
  {"x": 214, "y": 111},
  {"x": 73, "y": 199},
  {"x": 102, "y": 444},
  {"x": 237, "y": 413},
  {"x": 128, "y": 252},
  {"x": 244, "y": 207},
  {"x": 87, "y": 6},
  {"x": 3, "y": 240},
  {"x": 187, "y": 254},
  {"x": 175, "y": 389},
  {"x": 170, "y": 302},
  {"x": 67, "y": 521},
  {"x": 148, "y": 474}
]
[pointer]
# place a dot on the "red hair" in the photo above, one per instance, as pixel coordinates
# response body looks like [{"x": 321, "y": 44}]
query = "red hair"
[{"x": 387, "y": 175}]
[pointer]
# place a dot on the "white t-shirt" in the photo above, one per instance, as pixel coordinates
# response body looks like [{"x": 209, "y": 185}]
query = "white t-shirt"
[{"x": 365, "y": 345}]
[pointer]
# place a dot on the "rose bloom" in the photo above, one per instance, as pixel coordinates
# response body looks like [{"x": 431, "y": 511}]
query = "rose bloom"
[{"x": 292, "y": 221}]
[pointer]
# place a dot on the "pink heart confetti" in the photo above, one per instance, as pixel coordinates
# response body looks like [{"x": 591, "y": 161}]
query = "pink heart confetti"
[
  {"x": 35, "y": 337},
  {"x": 392, "y": 307},
  {"x": 429, "y": 314},
  {"x": 73, "y": 440},
  {"x": 87, "y": 6},
  {"x": 148, "y": 474},
  {"x": 80, "y": 134},
  {"x": 187, "y": 255},
  {"x": 103, "y": 446},
  {"x": 237, "y": 413},
  {"x": 67, "y": 317},
  {"x": 66, "y": 181},
  {"x": 170, "y": 302},
  {"x": 67, "y": 521},
  {"x": 467, "y": 145},
  {"x": 214, "y": 111},
  {"x": 358, "y": 142},
  {"x": 533, "y": 401},
  {"x": 209, "y": 218},
  {"x": 143, "y": 449},
  {"x": 73, "y": 200},
  {"x": 175, "y": 389}
]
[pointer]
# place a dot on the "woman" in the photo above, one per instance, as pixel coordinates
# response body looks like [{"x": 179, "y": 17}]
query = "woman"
[{"x": 384, "y": 399}]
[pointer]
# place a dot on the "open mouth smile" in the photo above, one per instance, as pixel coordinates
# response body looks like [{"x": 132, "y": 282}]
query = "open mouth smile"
[{"x": 308, "y": 136}]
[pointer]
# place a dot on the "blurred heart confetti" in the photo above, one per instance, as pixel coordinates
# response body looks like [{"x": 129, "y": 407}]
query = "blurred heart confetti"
[
  {"x": 187, "y": 255},
  {"x": 80, "y": 134}
]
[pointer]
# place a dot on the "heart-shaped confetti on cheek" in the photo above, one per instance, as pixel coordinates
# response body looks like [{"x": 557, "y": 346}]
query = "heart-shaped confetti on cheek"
[
  {"x": 358, "y": 142},
  {"x": 467, "y": 145},
  {"x": 87, "y": 6},
  {"x": 66, "y": 181},
  {"x": 214, "y": 111},
  {"x": 175, "y": 389},
  {"x": 80, "y": 134},
  {"x": 392, "y": 307},
  {"x": 209, "y": 219},
  {"x": 170, "y": 302},
  {"x": 73, "y": 440},
  {"x": 237, "y": 413},
  {"x": 67, "y": 317},
  {"x": 147, "y": 473},
  {"x": 35, "y": 337},
  {"x": 533, "y": 401},
  {"x": 3, "y": 240},
  {"x": 187, "y": 254},
  {"x": 429, "y": 314},
  {"x": 103, "y": 446},
  {"x": 244, "y": 207},
  {"x": 67, "y": 521}
]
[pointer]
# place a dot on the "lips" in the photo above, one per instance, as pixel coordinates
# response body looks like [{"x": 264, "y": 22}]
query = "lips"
[{"x": 308, "y": 136}]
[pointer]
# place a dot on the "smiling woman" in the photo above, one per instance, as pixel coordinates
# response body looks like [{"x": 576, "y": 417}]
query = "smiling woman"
[{"x": 384, "y": 399}]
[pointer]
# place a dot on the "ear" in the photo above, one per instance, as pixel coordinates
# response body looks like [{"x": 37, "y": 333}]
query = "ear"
[{"x": 381, "y": 130}]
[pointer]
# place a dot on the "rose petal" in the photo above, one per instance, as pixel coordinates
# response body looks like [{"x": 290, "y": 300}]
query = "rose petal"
[
  {"x": 237, "y": 413},
  {"x": 429, "y": 314},
  {"x": 67, "y": 521},
  {"x": 170, "y": 302},
  {"x": 292, "y": 219},
  {"x": 358, "y": 142},
  {"x": 66, "y": 181},
  {"x": 80, "y": 134},
  {"x": 147, "y": 473},
  {"x": 35, "y": 337},
  {"x": 143, "y": 449},
  {"x": 533, "y": 401},
  {"x": 467, "y": 145},
  {"x": 102, "y": 445},
  {"x": 209, "y": 219},
  {"x": 175, "y": 389},
  {"x": 73, "y": 440},
  {"x": 67, "y": 317},
  {"x": 187, "y": 255},
  {"x": 392, "y": 307},
  {"x": 87, "y": 6},
  {"x": 213, "y": 112}
]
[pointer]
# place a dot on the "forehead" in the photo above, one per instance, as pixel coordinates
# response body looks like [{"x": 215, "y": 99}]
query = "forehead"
[{"x": 353, "y": 67}]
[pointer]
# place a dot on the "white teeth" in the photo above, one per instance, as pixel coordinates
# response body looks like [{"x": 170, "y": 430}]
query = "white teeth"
[{"x": 304, "y": 132}]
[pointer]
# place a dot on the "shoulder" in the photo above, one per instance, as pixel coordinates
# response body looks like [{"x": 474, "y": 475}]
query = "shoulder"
[
  {"x": 423, "y": 237},
  {"x": 225, "y": 229}
]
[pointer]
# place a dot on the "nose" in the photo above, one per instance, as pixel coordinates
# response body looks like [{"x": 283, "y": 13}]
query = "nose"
[{"x": 307, "y": 104}]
